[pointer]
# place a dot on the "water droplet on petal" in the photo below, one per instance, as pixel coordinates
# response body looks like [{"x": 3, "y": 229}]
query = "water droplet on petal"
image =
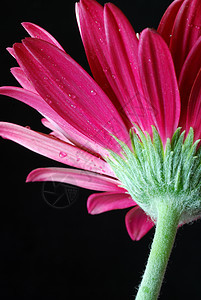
[
  {"x": 137, "y": 35},
  {"x": 93, "y": 93},
  {"x": 113, "y": 76},
  {"x": 72, "y": 96},
  {"x": 62, "y": 154},
  {"x": 98, "y": 24},
  {"x": 28, "y": 127},
  {"x": 105, "y": 69}
]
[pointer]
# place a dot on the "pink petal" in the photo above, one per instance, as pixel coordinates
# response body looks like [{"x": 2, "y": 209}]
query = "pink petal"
[
  {"x": 137, "y": 223},
  {"x": 36, "y": 31},
  {"x": 194, "y": 108},
  {"x": 11, "y": 51},
  {"x": 89, "y": 16},
  {"x": 84, "y": 179},
  {"x": 187, "y": 77},
  {"x": 22, "y": 79},
  {"x": 54, "y": 148},
  {"x": 159, "y": 84},
  {"x": 99, "y": 203},
  {"x": 35, "y": 101},
  {"x": 55, "y": 131},
  {"x": 165, "y": 27},
  {"x": 71, "y": 92},
  {"x": 123, "y": 50},
  {"x": 186, "y": 31}
]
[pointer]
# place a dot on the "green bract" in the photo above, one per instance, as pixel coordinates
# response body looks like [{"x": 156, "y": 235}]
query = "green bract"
[{"x": 153, "y": 175}]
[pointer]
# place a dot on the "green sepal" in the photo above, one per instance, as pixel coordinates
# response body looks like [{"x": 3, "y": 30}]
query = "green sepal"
[{"x": 153, "y": 173}]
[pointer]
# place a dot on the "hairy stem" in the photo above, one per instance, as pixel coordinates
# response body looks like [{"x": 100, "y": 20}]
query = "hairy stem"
[{"x": 166, "y": 228}]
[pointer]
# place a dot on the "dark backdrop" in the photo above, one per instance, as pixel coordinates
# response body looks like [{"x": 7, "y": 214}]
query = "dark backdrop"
[{"x": 64, "y": 253}]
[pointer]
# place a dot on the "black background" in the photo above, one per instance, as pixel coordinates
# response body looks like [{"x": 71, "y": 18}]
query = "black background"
[{"x": 51, "y": 253}]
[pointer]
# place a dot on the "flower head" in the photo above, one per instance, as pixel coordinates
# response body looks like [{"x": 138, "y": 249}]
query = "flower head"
[{"x": 142, "y": 90}]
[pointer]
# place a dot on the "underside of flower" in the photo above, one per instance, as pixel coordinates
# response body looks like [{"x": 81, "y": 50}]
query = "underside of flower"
[
  {"x": 154, "y": 81},
  {"x": 155, "y": 175}
]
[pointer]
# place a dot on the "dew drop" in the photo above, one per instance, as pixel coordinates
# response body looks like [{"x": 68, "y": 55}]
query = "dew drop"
[
  {"x": 62, "y": 154},
  {"x": 73, "y": 106},
  {"x": 49, "y": 101},
  {"x": 45, "y": 78},
  {"x": 28, "y": 127},
  {"x": 93, "y": 93},
  {"x": 138, "y": 35},
  {"x": 113, "y": 76},
  {"x": 98, "y": 24},
  {"x": 78, "y": 159},
  {"x": 72, "y": 96}
]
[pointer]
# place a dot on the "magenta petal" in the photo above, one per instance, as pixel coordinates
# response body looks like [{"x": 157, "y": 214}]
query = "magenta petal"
[
  {"x": 11, "y": 51},
  {"x": 28, "y": 97},
  {"x": 36, "y": 31},
  {"x": 71, "y": 92},
  {"x": 35, "y": 101},
  {"x": 159, "y": 84},
  {"x": 186, "y": 31},
  {"x": 99, "y": 203},
  {"x": 165, "y": 27},
  {"x": 137, "y": 223},
  {"x": 22, "y": 79},
  {"x": 89, "y": 16},
  {"x": 54, "y": 148},
  {"x": 84, "y": 179},
  {"x": 187, "y": 77},
  {"x": 123, "y": 50},
  {"x": 194, "y": 108},
  {"x": 55, "y": 131}
]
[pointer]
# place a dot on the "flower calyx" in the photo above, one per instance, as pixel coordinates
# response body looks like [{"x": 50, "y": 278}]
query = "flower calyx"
[{"x": 154, "y": 174}]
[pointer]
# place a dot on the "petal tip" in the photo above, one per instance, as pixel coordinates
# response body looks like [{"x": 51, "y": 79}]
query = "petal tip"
[{"x": 29, "y": 177}]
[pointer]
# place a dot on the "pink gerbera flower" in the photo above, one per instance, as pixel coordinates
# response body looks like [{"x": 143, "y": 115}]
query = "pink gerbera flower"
[{"x": 120, "y": 129}]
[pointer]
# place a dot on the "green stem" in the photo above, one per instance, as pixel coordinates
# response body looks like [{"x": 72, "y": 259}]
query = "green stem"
[{"x": 166, "y": 228}]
